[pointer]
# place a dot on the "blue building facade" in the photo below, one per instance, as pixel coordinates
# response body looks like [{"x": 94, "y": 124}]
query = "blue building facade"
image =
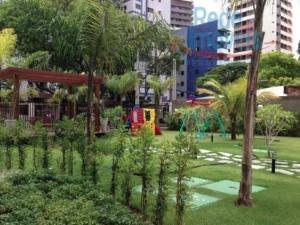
[{"x": 207, "y": 50}]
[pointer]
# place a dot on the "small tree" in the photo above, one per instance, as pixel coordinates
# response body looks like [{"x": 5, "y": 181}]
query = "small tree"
[
  {"x": 20, "y": 139},
  {"x": 7, "y": 139},
  {"x": 35, "y": 143},
  {"x": 144, "y": 161},
  {"x": 159, "y": 87},
  {"x": 120, "y": 135},
  {"x": 271, "y": 120},
  {"x": 127, "y": 166},
  {"x": 162, "y": 194},
  {"x": 182, "y": 154},
  {"x": 43, "y": 138}
]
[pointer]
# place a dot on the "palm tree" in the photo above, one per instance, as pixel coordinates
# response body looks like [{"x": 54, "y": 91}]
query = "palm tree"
[
  {"x": 230, "y": 99},
  {"x": 159, "y": 86},
  {"x": 122, "y": 85},
  {"x": 245, "y": 192},
  {"x": 100, "y": 37}
]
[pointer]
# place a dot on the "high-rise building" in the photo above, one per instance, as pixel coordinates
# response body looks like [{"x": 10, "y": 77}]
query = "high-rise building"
[
  {"x": 181, "y": 13},
  {"x": 209, "y": 46},
  {"x": 277, "y": 25},
  {"x": 149, "y": 9}
]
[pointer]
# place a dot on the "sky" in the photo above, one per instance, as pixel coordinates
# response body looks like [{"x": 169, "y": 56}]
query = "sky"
[{"x": 217, "y": 7}]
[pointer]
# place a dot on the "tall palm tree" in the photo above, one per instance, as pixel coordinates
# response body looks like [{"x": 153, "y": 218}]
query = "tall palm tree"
[
  {"x": 159, "y": 86},
  {"x": 101, "y": 35},
  {"x": 245, "y": 192},
  {"x": 122, "y": 85},
  {"x": 230, "y": 99}
]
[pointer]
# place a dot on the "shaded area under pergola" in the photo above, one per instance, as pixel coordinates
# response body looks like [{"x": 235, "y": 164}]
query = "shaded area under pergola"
[{"x": 68, "y": 79}]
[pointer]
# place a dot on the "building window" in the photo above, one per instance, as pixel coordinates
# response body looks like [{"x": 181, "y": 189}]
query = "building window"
[
  {"x": 182, "y": 73},
  {"x": 182, "y": 94},
  {"x": 150, "y": 10},
  {"x": 137, "y": 6},
  {"x": 182, "y": 83}
]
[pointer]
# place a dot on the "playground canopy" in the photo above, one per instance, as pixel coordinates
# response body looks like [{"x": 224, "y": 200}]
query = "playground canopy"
[{"x": 68, "y": 79}]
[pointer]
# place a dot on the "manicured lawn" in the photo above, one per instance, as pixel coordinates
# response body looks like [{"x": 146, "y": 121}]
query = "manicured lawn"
[{"x": 277, "y": 205}]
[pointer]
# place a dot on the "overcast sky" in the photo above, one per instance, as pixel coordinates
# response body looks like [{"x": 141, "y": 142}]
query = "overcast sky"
[{"x": 217, "y": 6}]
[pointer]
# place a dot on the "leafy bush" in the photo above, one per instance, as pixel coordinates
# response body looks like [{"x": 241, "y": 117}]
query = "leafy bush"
[
  {"x": 173, "y": 121},
  {"x": 66, "y": 201}
]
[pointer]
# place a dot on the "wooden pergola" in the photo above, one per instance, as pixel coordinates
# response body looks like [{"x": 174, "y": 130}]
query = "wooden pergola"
[{"x": 68, "y": 79}]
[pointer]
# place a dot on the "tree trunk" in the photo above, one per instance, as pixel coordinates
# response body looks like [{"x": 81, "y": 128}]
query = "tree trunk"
[
  {"x": 179, "y": 199},
  {"x": 71, "y": 161},
  {"x": 34, "y": 158},
  {"x": 233, "y": 126},
  {"x": 89, "y": 107},
  {"x": 245, "y": 192},
  {"x": 45, "y": 158},
  {"x": 157, "y": 102},
  {"x": 63, "y": 164},
  {"x": 113, "y": 178},
  {"x": 144, "y": 200},
  {"x": 21, "y": 157},
  {"x": 8, "y": 158}
]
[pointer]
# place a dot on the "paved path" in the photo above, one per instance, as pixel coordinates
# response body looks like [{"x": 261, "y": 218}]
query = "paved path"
[{"x": 286, "y": 167}]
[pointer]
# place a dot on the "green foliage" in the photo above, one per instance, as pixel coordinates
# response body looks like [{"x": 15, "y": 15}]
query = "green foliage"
[
  {"x": 284, "y": 81},
  {"x": 43, "y": 141},
  {"x": 122, "y": 85},
  {"x": 277, "y": 66},
  {"x": 120, "y": 144},
  {"x": 224, "y": 74},
  {"x": 71, "y": 133},
  {"x": 127, "y": 168},
  {"x": 8, "y": 41},
  {"x": 7, "y": 139},
  {"x": 173, "y": 121},
  {"x": 49, "y": 199},
  {"x": 114, "y": 115},
  {"x": 43, "y": 29},
  {"x": 184, "y": 147},
  {"x": 272, "y": 119},
  {"x": 144, "y": 164},
  {"x": 162, "y": 194},
  {"x": 21, "y": 138}
]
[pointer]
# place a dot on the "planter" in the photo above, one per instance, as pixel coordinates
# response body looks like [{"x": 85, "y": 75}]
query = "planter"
[
  {"x": 104, "y": 124},
  {"x": 10, "y": 123}
]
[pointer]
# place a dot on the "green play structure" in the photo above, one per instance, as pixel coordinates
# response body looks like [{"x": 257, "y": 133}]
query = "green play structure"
[{"x": 202, "y": 117}]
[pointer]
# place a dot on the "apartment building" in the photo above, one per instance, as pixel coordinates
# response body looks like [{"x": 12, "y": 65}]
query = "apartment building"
[
  {"x": 181, "y": 13},
  {"x": 149, "y": 9},
  {"x": 209, "y": 46},
  {"x": 277, "y": 25}
]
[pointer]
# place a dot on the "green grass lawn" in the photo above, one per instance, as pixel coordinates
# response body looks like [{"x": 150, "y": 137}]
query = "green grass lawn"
[{"x": 279, "y": 204}]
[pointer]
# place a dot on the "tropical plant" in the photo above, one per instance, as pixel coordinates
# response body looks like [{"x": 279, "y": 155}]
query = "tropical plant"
[
  {"x": 163, "y": 177},
  {"x": 122, "y": 85},
  {"x": 271, "y": 120},
  {"x": 7, "y": 139},
  {"x": 230, "y": 100},
  {"x": 44, "y": 141},
  {"x": 120, "y": 145},
  {"x": 182, "y": 152},
  {"x": 144, "y": 163},
  {"x": 159, "y": 86},
  {"x": 20, "y": 140},
  {"x": 127, "y": 169}
]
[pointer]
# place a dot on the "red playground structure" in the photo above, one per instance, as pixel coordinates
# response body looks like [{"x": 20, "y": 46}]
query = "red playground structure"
[{"x": 143, "y": 117}]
